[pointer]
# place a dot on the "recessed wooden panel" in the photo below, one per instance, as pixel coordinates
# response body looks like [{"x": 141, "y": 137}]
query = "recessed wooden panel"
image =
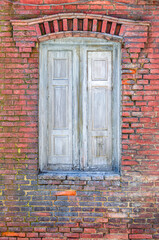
[
  {"x": 61, "y": 146},
  {"x": 60, "y": 69},
  {"x": 60, "y": 108},
  {"x": 99, "y": 146},
  {"x": 99, "y": 70},
  {"x": 99, "y": 108}
]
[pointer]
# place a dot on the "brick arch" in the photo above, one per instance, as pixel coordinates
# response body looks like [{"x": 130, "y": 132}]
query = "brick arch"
[
  {"x": 79, "y": 34},
  {"x": 27, "y": 32},
  {"x": 81, "y": 23}
]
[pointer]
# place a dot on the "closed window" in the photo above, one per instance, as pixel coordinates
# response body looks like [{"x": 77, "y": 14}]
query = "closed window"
[{"x": 79, "y": 108}]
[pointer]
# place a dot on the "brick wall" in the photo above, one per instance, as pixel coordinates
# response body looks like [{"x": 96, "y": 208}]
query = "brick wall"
[{"x": 112, "y": 207}]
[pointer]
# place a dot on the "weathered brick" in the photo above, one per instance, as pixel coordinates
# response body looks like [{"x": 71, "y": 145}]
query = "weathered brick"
[
  {"x": 140, "y": 236},
  {"x": 104, "y": 208}
]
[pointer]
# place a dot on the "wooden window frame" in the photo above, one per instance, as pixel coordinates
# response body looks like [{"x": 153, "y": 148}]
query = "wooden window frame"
[{"x": 116, "y": 97}]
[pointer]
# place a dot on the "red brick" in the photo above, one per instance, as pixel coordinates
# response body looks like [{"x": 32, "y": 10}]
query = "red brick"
[
  {"x": 72, "y": 235},
  {"x": 116, "y": 236},
  {"x": 140, "y": 236},
  {"x": 32, "y": 235},
  {"x": 83, "y": 7},
  {"x": 64, "y": 230},
  {"x": 89, "y": 230},
  {"x": 13, "y": 234},
  {"x": 40, "y": 229},
  {"x": 50, "y": 235},
  {"x": 32, "y": 1},
  {"x": 129, "y": 163},
  {"x": 85, "y": 235}
]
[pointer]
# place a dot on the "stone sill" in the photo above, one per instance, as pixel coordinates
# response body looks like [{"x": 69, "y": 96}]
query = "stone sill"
[{"x": 76, "y": 176}]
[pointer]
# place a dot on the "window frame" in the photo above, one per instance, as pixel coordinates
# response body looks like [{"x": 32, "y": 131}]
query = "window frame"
[{"x": 116, "y": 96}]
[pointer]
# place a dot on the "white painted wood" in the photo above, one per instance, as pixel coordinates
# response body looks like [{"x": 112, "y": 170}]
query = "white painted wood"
[
  {"x": 99, "y": 69},
  {"x": 76, "y": 108},
  {"x": 83, "y": 101},
  {"x": 43, "y": 110},
  {"x": 60, "y": 108},
  {"x": 79, "y": 105},
  {"x": 60, "y": 69},
  {"x": 99, "y": 100},
  {"x": 99, "y": 109}
]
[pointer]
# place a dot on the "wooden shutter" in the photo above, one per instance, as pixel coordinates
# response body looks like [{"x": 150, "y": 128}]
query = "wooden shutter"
[
  {"x": 60, "y": 109},
  {"x": 79, "y": 105},
  {"x": 99, "y": 109}
]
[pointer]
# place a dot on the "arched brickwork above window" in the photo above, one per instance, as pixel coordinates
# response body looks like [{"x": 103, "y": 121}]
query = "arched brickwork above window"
[{"x": 27, "y": 32}]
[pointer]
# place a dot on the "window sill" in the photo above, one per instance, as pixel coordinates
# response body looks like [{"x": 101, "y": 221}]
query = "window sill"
[{"x": 50, "y": 177}]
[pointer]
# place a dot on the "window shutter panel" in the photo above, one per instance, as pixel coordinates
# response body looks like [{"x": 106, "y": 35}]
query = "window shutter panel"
[
  {"x": 60, "y": 109},
  {"x": 99, "y": 110}
]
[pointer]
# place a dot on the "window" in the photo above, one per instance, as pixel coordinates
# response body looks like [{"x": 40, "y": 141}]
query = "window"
[{"x": 79, "y": 105}]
